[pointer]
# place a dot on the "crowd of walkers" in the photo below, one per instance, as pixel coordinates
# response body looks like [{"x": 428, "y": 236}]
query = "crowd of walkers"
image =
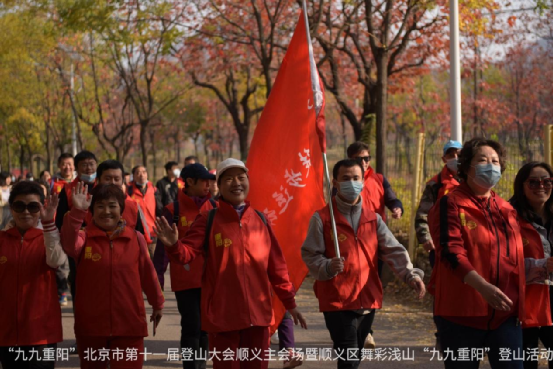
[{"x": 102, "y": 238}]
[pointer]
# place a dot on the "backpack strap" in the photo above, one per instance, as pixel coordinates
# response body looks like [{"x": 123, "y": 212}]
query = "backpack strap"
[
  {"x": 261, "y": 216},
  {"x": 213, "y": 202},
  {"x": 176, "y": 211},
  {"x": 210, "y": 217}
]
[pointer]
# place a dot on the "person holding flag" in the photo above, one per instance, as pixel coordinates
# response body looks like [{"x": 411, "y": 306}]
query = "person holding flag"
[
  {"x": 243, "y": 261},
  {"x": 347, "y": 283}
]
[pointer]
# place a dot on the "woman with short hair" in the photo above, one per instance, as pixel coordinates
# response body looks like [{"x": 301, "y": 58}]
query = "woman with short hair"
[
  {"x": 479, "y": 271},
  {"x": 113, "y": 269},
  {"x": 30, "y": 316}
]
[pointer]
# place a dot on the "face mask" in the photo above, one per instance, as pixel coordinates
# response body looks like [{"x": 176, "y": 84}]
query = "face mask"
[
  {"x": 350, "y": 190},
  {"x": 452, "y": 164},
  {"x": 131, "y": 177},
  {"x": 88, "y": 178},
  {"x": 176, "y": 172},
  {"x": 487, "y": 175}
]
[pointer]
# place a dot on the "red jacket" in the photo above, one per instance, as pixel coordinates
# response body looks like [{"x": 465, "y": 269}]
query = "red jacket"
[
  {"x": 59, "y": 184},
  {"x": 244, "y": 261},
  {"x": 447, "y": 180},
  {"x": 373, "y": 193},
  {"x": 187, "y": 276},
  {"x": 358, "y": 286},
  {"x": 111, "y": 277},
  {"x": 472, "y": 233},
  {"x": 30, "y": 313},
  {"x": 538, "y": 312},
  {"x": 147, "y": 203}
]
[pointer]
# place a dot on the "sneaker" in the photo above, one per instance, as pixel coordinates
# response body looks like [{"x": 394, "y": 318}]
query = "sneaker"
[
  {"x": 63, "y": 299},
  {"x": 369, "y": 342}
]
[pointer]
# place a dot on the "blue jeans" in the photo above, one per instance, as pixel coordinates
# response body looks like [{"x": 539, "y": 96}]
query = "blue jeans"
[{"x": 458, "y": 340}]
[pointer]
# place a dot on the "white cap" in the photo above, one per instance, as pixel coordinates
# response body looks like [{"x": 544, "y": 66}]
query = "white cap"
[{"x": 228, "y": 164}]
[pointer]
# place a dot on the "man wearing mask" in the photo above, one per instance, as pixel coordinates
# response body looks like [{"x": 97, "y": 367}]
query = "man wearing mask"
[
  {"x": 148, "y": 198},
  {"x": 186, "y": 280},
  {"x": 438, "y": 186},
  {"x": 244, "y": 267},
  {"x": 169, "y": 185},
  {"x": 377, "y": 192},
  {"x": 348, "y": 287},
  {"x": 86, "y": 164}
]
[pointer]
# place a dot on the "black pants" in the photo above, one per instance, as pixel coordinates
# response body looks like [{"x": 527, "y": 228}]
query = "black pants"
[
  {"x": 530, "y": 338},
  {"x": 192, "y": 336},
  {"x": 28, "y": 357},
  {"x": 348, "y": 331},
  {"x": 458, "y": 340}
]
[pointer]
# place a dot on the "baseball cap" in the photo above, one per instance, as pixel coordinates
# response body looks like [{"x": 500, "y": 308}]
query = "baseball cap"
[
  {"x": 196, "y": 171},
  {"x": 452, "y": 144},
  {"x": 228, "y": 164}
]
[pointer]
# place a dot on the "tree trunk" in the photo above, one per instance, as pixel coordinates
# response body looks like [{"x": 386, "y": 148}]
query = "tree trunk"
[
  {"x": 143, "y": 139},
  {"x": 21, "y": 158},
  {"x": 381, "y": 107},
  {"x": 243, "y": 141},
  {"x": 152, "y": 139}
]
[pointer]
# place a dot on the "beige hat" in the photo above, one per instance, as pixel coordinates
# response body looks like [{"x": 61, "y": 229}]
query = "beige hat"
[{"x": 227, "y": 164}]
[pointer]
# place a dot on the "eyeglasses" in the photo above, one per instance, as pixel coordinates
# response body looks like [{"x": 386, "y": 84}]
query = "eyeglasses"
[
  {"x": 537, "y": 183},
  {"x": 365, "y": 159},
  {"x": 20, "y": 207}
]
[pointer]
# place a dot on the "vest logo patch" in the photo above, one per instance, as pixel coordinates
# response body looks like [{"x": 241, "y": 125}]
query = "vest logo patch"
[
  {"x": 463, "y": 219},
  {"x": 183, "y": 221},
  {"x": 96, "y": 257},
  {"x": 59, "y": 188},
  {"x": 445, "y": 192},
  {"x": 228, "y": 243},
  {"x": 218, "y": 240},
  {"x": 88, "y": 253},
  {"x": 3, "y": 260},
  {"x": 341, "y": 237},
  {"x": 525, "y": 242},
  {"x": 472, "y": 225}
]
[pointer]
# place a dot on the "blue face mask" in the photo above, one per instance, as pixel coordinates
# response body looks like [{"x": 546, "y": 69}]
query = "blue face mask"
[
  {"x": 452, "y": 164},
  {"x": 350, "y": 190},
  {"x": 88, "y": 178},
  {"x": 487, "y": 175}
]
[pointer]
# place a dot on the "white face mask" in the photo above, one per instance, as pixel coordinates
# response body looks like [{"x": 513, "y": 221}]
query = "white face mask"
[{"x": 176, "y": 172}]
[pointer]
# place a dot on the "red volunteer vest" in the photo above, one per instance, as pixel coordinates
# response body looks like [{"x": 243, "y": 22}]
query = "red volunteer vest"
[
  {"x": 358, "y": 286},
  {"x": 110, "y": 301},
  {"x": 188, "y": 276},
  {"x": 449, "y": 183},
  {"x": 58, "y": 186},
  {"x": 538, "y": 312},
  {"x": 30, "y": 313},
  {"x": 147, "y": 203},
  {"x": 236, "y": 292},
  {"x": 452, "y": 296},
  {"x": 373, "y": 193}
]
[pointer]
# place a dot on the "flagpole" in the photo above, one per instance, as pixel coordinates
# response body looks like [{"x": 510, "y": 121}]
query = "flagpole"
[{"x": 316, "y": 95}]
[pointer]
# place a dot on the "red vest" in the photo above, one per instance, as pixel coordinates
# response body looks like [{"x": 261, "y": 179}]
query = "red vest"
[
  {"x": 58, "y": 186},
  {"x": 110, "y": 301},
  {"x": 452, "y": 296},
  {"x": 188, "y": 276},
  {"x": 373, "y": 193},
  {"x": 236, "y": 292},
  {"x": 130, "y": 213},
  {"x": 358, "y": 286},
  {"x": 449, "y": 183},
  {"x": 538, "y": 312},
  {"x": 147, "y": 203},
  {"x": 29, "y": 310}
]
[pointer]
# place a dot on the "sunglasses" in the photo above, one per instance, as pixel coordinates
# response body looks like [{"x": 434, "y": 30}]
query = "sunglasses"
[
  {"x": 365, "y": 159},
  {"x": 20, "y": 207},
  {"x": 537, "y": 183}
]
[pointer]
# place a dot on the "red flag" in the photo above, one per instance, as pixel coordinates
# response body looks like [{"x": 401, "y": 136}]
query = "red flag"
[{"x": 285, "y": 159}]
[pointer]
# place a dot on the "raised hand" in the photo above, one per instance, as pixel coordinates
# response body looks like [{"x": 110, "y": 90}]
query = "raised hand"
[
  {"x": 169, "y": 235},
  {"x": 48, "y": 211},
  {"x": 81, "y": 198}
]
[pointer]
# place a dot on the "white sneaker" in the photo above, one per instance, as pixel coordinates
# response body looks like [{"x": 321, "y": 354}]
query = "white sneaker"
[{"x": 274, "y": 338}]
